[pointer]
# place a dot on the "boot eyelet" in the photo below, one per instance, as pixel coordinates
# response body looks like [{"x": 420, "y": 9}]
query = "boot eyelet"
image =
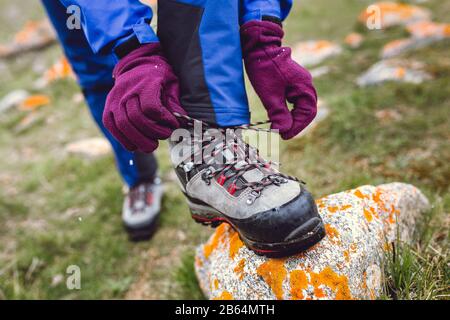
[{"x": 253, "y": 196}]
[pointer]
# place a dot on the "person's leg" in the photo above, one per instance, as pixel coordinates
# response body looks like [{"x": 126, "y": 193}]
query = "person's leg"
[
  {"x": 202, "y": 43},
  {"x": 94, "y": 73},
  {"x": 142, "y": 204}
]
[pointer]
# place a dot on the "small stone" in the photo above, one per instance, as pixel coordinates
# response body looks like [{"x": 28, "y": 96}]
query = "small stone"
[
  {"x": 354, "y": 40},
  {"x": 56, "y": 280},
  {"x": 314, "y": 52},
  {"x": 388, "y": 115},
  {"x": 91, "y": 148},
  {"x": 394, "y": 70}
]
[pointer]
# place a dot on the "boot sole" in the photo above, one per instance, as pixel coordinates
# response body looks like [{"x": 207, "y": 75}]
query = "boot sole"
[{"x": 306, "y": 235}]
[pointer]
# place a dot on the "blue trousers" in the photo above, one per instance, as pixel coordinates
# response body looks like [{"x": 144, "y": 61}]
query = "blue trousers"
[{"x": 94, "y": 73}]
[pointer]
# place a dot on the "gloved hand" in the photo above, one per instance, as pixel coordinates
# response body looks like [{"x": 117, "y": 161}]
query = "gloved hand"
[
  {"x": 277, "y": 78},
  {"x": 139, "y": 108}
]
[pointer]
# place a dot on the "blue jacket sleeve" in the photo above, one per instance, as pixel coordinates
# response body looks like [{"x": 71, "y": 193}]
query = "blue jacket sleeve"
[
  {"x": 107, "y": 23},
  {"x": 257, "y": 9}
]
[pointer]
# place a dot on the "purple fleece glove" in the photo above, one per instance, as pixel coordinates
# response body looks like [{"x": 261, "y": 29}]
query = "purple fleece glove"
[
  {"x": 139, "y": 108},
  {"x": 277, "y": 78}
]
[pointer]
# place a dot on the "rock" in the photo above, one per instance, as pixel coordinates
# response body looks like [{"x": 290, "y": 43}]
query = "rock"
[
  {"x": 310, "y": 53},
  {"x": 322, "y": 113},
  {"x": 346, "y": 264},
  {"x": 394, "y": 14},
  {"x": 422, "y": 33},
  {"x": 319, "y": 71},
  {"x": 354, "y": 40},
  {"x": 91, "y": 148},
  {"x": 394, "y": 70},
  {"x": 12, "y": 99},
  {"x": 397, "y": 47},
  {"x": 388, "y": 115},
  {"x": 428, "y": 29},
  {"x": 34, "y": 35},
  {"x": 61, "y": 69},
  {"x": 31, "y": 120}
]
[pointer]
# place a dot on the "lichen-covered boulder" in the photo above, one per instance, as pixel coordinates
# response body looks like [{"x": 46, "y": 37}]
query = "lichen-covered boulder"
[
  {"x": 346, "y": 264},
  {"x": 394, "y": 13},
  {"x": 394, "y": 70},
  {"x": 422, "y": 33},
  {"x": 34, "y": 35},
  {"x": 314, "y": 52}
]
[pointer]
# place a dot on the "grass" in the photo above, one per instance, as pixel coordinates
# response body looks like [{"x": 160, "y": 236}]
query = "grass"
[{"x": 58, "y": 210}]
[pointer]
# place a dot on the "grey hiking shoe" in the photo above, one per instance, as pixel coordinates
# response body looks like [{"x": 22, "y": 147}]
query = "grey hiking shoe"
[
  {"x": 273, "y": 213},
  {"x": 141, "y": 210}
]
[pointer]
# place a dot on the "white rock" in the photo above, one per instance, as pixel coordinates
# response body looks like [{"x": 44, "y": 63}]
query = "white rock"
[
  {"x": 314, "y": 52},
  {"x": 394, "y": 70},
  {"x": 13, "y": 99},
  {"x": 361, "y": 224},
  {"x": 319, "y": 71}
]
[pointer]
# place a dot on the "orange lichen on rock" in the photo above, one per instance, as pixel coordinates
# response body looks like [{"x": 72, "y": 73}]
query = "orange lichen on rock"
[
  {"x": 347, "y": 255},
  {"x": 320, "y": 203},
  {"x": 225, "y": 295},
  {"x": 235, "y": 244},
  {"x": 345, "y": 207},
  {"x": 34, "y": 102},
  {"x": 333, "y": 209},
  {"x": 393, "y": 214},
  {"x": 298, "y": 282},
  {"x": 359, "y": 194},
  {"x": 239, "y": 269},
  {"x": 332, "y": 233},
  {"x": 368, "y": 215},
  {"x": 216, "y": 284},
  {"x": 198, "y": 261},
  {"x": 217, "y": 238},
  {"x": 274, "y": 272},
  {"x": 337, "y": 283}
]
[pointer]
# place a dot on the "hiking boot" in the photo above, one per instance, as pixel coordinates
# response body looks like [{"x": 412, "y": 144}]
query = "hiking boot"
[
  {"x": 273, "y": 213},
  {"x": 141, "y": 210}
]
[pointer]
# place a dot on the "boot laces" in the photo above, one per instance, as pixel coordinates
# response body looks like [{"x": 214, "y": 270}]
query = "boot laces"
[{"x": 235, "y": 168}]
